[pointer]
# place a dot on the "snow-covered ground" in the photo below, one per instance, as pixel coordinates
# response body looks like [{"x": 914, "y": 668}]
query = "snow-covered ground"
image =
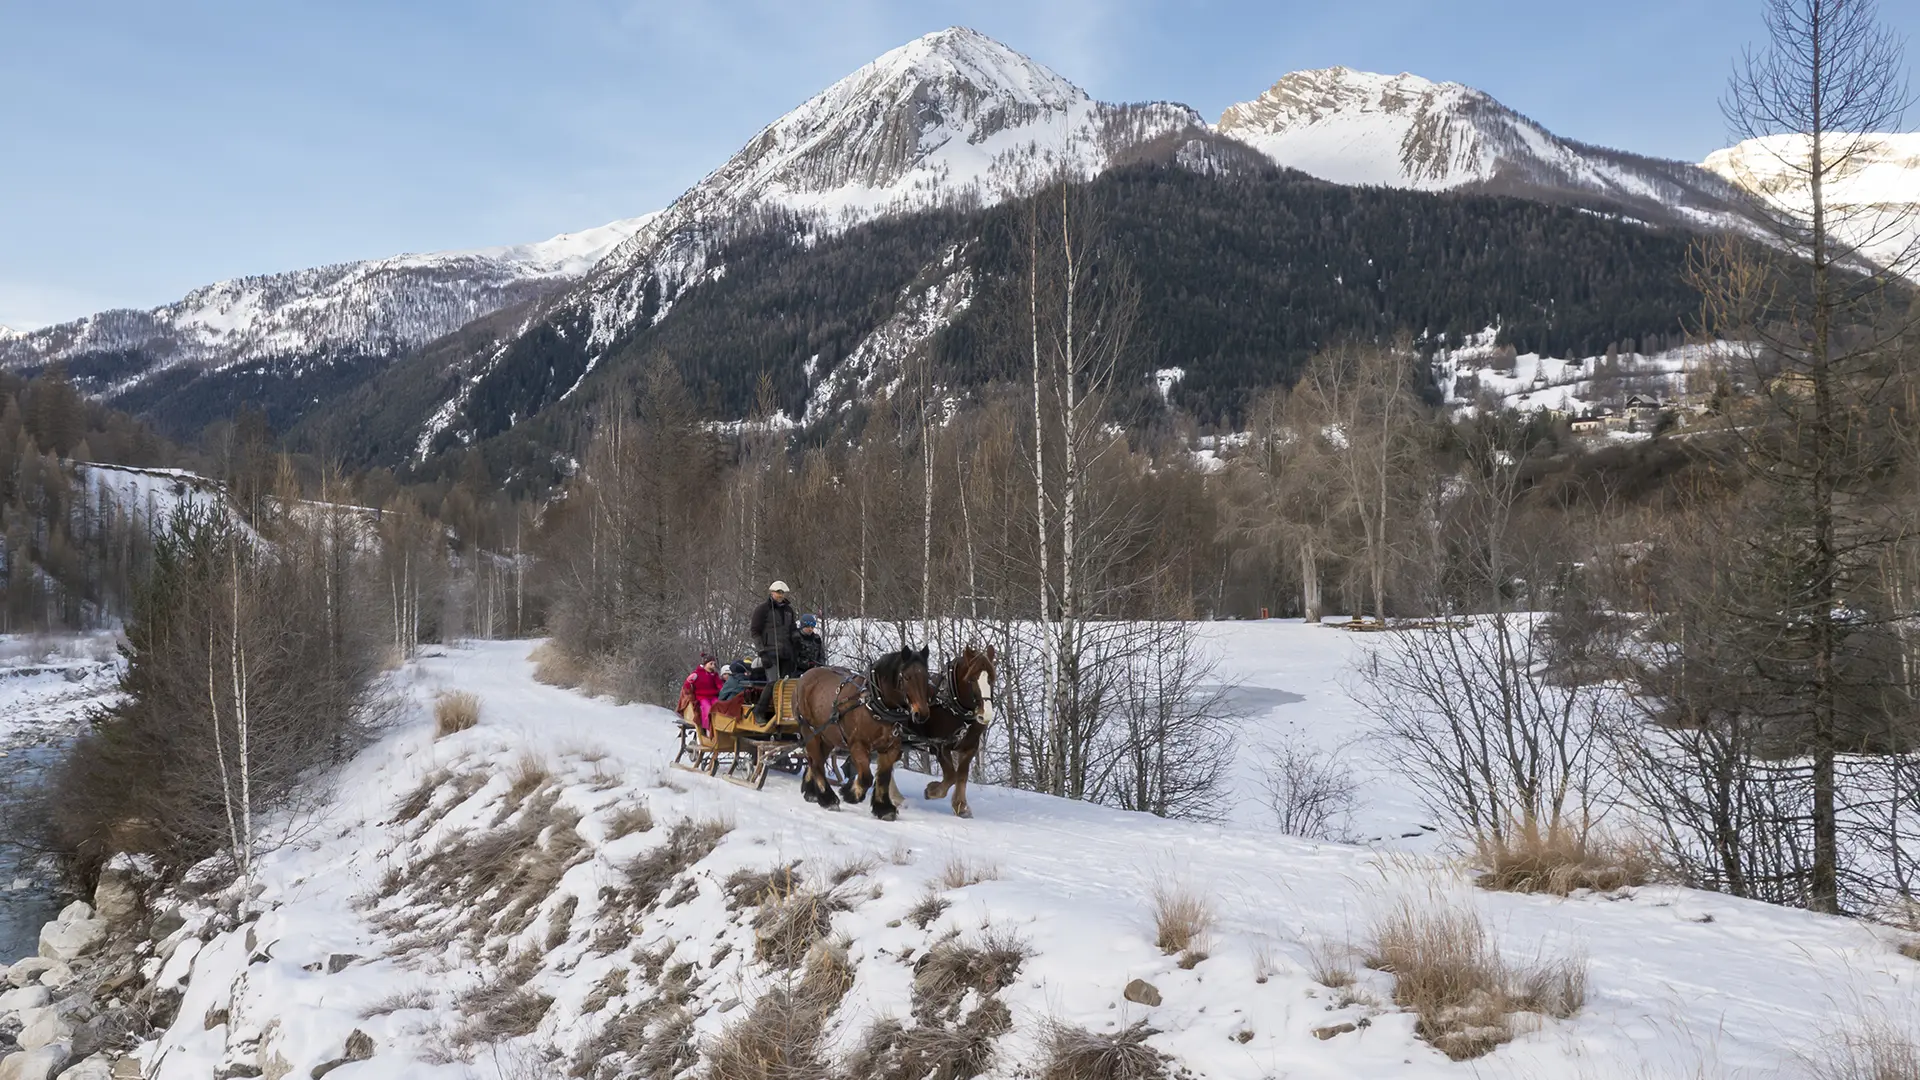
[{"x": 1683, "y": 983}]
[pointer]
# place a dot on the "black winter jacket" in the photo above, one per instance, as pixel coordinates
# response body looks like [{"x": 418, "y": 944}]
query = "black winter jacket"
[
  {"x": 812, "y": 650},
  {"x": 776, "y": 629}
]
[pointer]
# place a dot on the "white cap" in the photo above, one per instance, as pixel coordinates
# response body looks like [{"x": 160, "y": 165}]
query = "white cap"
[{"x": 778, "y": 586}]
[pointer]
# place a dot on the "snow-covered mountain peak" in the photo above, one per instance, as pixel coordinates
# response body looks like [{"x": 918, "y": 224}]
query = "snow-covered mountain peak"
[
  {"x": 1872, "y": 186},
  {"x": 1304, "y": 97},
  {"x": 8, "y": 332},
  {"x": 951, "y": 118}
]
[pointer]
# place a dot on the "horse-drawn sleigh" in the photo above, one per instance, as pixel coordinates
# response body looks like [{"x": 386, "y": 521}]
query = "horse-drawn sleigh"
[{"x": 836, "y": 724}]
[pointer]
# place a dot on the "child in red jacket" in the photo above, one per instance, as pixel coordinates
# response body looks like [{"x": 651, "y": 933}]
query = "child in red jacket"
[{"x": 704, "y": 686}]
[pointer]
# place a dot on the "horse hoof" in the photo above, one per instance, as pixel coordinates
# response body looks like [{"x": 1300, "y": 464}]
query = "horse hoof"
[
  {"x": 888, "y": 815},
  {"x": 961, "y": 811},
  {"x": 934, "y": 791},
  {"x": 835, "y": 807},
  {"x": 807, "y": 794}
]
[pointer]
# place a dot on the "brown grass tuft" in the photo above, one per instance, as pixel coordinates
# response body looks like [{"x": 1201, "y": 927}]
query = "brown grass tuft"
[
  {"x": 952, "y": 968},
  {"x": 417, "y": 998},
  {"x": 930, "y": 907},
  {"x": 1332, "y": 965},
  {"x": 1910, "y": 949},
  {"x": 455, "y": 711},
  {"x": 1872, "y": 1047},
  {"x": 629, "y": 819},
  {"x": 1561, "y": 862},
  {"x": 1449, "y": 973},
  {"x": 552, "y": 665},
  {"x": 754, "y": 888},
  {"x": 504, "y": 1008},
  {"x": 780, "y": 1037},
  {"x": 528, "y": 774},
  {"x": 1074, "y": 1053},
  {"x": 788, "y": 927},
  {"x": 420, "y": 799},
  {"x": 1181, "y": 919},
  {"x": 689, "y": 841},
  {"x": 959, "y": 873}
]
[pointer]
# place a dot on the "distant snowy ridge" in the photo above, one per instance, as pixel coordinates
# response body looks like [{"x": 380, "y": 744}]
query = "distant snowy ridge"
[
  {"x": 1874, "y": 191},
  {"x": 951, "y": 118},
  {"x": 1403, "y": 131},
  {"x": 375, "y": 307}
]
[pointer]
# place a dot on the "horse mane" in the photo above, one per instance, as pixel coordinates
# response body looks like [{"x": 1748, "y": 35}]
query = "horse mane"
[{"x": 892, "y": 667}]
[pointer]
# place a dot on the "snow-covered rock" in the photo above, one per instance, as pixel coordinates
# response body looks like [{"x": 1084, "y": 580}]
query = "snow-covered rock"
[
  {"x": 1404, "y": 131},
  {"x": 33, "y": 1064},
  {"x": 74, "y": 934},
  {"x": 1871, "y": 187}
]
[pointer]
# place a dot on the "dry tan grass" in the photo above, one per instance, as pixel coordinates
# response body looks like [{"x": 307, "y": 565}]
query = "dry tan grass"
[
  {"x": 1332, "y": 964},
  {"x": 780, "y": 1038},
  {"x": 689, "y": 841},
  {"x": 788, "y": 927},
  {"x": 1870, "y": 1047},
  {"x": 528, "y": 774},
  {"x": 753, "y": 888},
  {"x": 420, "y": 799},
  {"x": 1074, "y": 1053},
  {"x": 930, "y": 907},
  {"x": 1181, "y": 920},
  {"x": 504, "y": 1007},
  {"x": 455, "y": 711},
  {"x": 959, "y": 873},
  {"x": 611, "y": 985},
  {"x": 1561, "y": 862},
  {"x": 952, "y": 968},
  {"x": 652, "y": 1039},
  {"x": 1450, "y": 974},
  {"x": 417, "y": 998},
  {"x": 552, "y": 665},
  {"x": 629, "y": 819},
  {"x": 1910, "y": 949}
]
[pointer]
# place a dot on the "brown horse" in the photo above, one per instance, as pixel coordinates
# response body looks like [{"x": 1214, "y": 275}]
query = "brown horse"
[
  {"x": 962, "y": 711},
  {"x": 863, "y": 714}
]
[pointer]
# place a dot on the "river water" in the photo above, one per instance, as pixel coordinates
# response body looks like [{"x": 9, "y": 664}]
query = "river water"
[{"x": 27, "y": 896}]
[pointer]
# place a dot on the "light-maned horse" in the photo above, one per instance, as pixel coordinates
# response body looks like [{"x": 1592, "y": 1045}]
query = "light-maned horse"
[
  {"x": 862, "y": 714},
  {"x": 961, "y": 713}
]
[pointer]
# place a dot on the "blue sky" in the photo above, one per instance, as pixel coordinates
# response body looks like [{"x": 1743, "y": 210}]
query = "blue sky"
[{"x": 148, "y": 148}]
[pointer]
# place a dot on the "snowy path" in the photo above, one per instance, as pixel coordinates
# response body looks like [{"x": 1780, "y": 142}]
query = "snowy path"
[{"x": 1679, "y": 979}]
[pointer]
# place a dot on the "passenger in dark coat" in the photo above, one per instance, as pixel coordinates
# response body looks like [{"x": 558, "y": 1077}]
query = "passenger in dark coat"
[
  {"x": 776, "y": 634},
  {"x": 813, "y": 647}
]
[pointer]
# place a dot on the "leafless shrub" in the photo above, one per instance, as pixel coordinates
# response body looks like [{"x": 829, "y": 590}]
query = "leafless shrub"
[
  {"x": 455, "y": 711},
  {"x": 1559, "y": 862},
  {"x": 780, "y": 1037},
  {"x": 689, "y": 841},
  {"x": 1449, "y": 973},
  {"x": 1074, "y": 1053},
  {"x": 1870, "y": 1047},
  {"x": 901, "y": 855},
  {"x": 1910, "y": 949},
  {"x": 930, "y": 907},
  {"x": 1309, "y": 790},
  {"x": 1181, "y": 919},
  {"x": 631, "y": 818},
  {"x": 959, "y": 873}
]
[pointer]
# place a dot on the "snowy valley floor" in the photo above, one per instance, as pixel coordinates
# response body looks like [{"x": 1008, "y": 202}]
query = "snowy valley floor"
[{"x": 353, "y": 936}]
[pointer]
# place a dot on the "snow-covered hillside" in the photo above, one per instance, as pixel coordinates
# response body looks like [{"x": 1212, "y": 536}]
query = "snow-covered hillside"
[
  {"x": 1357, "y": 127},
  {"x": 1480, "y": 374},
  {"x": 645, "y": 924},
  {"x": 373, "y": 308},
  {"x": 1872, "y": 188},
  {"x": 951, "y": 118}
]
